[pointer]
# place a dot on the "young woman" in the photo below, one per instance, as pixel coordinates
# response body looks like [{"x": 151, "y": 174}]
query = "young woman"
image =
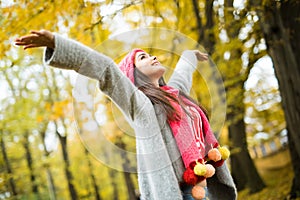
[{"x": 177, "y": 154}]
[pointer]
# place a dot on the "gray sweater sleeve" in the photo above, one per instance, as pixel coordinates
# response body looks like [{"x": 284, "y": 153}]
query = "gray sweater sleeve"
[
  {"x": 69, "y": 54},
  {"x": 183, "y": 73}
]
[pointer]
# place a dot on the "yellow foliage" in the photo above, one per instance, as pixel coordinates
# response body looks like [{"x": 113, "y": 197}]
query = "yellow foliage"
[{"x": 39, "y": 118}]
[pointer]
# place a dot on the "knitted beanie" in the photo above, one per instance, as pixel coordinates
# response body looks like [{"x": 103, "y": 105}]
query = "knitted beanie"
[{"x": 127, "y": 64}]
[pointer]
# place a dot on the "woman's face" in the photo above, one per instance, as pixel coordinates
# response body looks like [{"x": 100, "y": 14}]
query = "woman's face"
[{"x": 150, "y": 66}]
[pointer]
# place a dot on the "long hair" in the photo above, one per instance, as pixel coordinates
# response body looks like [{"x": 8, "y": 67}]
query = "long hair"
[{"x": 161, "y": 97}]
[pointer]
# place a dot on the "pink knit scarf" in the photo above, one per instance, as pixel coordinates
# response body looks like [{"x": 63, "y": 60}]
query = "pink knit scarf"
[{"x": 184, "y": 135}]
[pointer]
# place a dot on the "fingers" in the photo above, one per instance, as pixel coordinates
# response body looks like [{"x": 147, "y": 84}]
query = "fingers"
[
  {"x": 204, "y": 56},
  {"x": 30, "y": 46},
  {"x": 26, "y": 45},
  {"x": 201, "y": 56},
  {"x": 28, "y": 41},
  {"x": 42, "y": 33},
  {"x": 27, "y": 38},
  {"x": 36, "y": 32},
  {"x": 18, "y": 40},
  {"x": 19, "y": 43}
]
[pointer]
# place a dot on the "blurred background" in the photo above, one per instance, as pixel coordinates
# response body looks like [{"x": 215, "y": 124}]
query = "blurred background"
[{"x": 54, "y": 135}]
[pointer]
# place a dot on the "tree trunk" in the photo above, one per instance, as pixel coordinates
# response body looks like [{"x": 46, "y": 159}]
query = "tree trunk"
[
  {"x": 11, "y": 181},
  {"x": 51, "y": 186},
  {"x": 243, "y": 160},
  {"x": 50, "y": 180},
  {"x": 94, "y": 182},
  {"x": 281, "y": 28},
  {"x": 238, "y": 176},
  {"x": 126, "y": 168},
  {"x": 130, "y": 186},
  {"x": 295, "y": 190},
  {"x": 68, "y": 173},
  {"x": 34, "y": 186},
  {"x": 209, "y": 36},
  {"x": 112, "y": 176},
  {"x": 198, "y": 20}
]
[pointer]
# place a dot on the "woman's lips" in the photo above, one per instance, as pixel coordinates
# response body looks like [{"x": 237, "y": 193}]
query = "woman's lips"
[{"x": 156, "y": 63}]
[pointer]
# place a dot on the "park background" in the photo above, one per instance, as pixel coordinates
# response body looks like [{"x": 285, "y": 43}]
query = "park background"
[{"x": 254, "y": 45}]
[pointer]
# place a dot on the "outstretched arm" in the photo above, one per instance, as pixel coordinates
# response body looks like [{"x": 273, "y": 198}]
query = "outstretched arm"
[
  {"x": 183, "y": 73},
  {"x": 69, "y": 54}
]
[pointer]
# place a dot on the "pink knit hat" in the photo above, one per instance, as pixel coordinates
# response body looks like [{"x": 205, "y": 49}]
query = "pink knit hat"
[{"x": 127, "y": 64}]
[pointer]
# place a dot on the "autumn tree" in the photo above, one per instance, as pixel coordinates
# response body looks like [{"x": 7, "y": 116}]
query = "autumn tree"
[{"x": 279, "y": 22}]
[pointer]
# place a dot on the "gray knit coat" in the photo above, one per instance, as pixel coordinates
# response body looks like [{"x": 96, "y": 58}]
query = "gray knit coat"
[{"x": 160, "y": 166}]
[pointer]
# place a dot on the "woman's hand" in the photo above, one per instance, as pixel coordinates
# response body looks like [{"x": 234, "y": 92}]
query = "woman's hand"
[
  {"x": 201, "y": 56},
  {"x": 42, "y": 38}
]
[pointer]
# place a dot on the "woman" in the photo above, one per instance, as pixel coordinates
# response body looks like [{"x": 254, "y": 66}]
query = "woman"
[{"x": 173, "y": 137}]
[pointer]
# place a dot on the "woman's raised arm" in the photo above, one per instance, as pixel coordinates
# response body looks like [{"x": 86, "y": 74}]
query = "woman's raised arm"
[{"x": 183, "y": 73}]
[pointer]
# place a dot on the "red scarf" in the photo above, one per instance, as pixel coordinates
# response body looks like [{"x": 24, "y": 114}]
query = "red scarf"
[{"x": 185, "y": 135}]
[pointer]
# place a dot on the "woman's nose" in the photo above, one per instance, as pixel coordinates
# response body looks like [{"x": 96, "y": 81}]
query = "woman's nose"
[{"x": 153, "y": 57}]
